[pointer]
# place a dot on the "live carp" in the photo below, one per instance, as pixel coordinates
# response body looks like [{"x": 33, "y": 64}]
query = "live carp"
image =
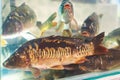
[{"x": 53, "y": 53}]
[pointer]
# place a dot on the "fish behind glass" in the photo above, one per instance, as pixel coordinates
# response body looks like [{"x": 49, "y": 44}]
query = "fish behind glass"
[
  {"x": 53, "y": 52},
  {"x": 22, "y": 20},
  {"x": 66, "y": 18}
]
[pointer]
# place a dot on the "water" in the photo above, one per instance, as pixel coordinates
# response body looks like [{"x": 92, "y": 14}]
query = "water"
[{"x": 43, "y": 9}]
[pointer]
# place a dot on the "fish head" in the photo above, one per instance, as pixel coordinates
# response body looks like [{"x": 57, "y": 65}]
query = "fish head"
[
  {"x": 17, "y": 61},
  {"x": 85, "y": 31},
  {"x": 18, "y": 20},
  {"x": 88, "y": 29},
  {"x": 90, "y": 25},
  {"x": 11, "y": 26},
  {"x": 66, "y": 9},
  {"x": 68, "y": 6}
]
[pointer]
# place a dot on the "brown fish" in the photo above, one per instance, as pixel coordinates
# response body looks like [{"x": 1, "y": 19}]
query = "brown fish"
[
  {"x": 90, "y": 27},
  {"x": 53, "y": 52},
  {"x": 109, "y": 61},
  {"x": 99, "y": 62}
]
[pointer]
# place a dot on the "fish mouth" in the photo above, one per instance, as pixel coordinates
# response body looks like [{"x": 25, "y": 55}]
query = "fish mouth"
[
  {"x": 6, "y": 65},
  {"x": 67, "y": 6},
  {"x": 85, "y": 33}
]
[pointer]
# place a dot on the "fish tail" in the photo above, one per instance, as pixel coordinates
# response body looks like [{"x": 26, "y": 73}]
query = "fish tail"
[{"x": 97, "y": 41}]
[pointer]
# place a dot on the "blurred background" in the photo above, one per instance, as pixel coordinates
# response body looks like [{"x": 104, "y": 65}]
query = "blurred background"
[
  {"x": 110, "y": 9},
  {"x": 110, "y": 20}
]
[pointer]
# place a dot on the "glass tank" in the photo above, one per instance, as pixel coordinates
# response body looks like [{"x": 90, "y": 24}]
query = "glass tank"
[{"x": 60, "y": 39}]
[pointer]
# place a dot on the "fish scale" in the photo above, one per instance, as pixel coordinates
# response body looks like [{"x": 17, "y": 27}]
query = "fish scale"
[
  {"x": 57, "y": 53},
  {"x": 61, "y": 50}
]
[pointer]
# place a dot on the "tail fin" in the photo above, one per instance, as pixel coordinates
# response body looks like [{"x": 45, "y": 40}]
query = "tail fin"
[{"x": 99, "y": 48}]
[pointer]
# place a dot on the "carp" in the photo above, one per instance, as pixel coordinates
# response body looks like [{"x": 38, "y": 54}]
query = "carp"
[
  {"x": 54, "y": 52},
  {"x": 103, "y": 62},
  {"x": 22, "y": 20}
]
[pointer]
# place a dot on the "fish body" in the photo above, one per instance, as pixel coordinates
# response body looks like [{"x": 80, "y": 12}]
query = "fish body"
[
  {"x": 66, "y": 16},
  {"x": 90, "y": 26},
  {"x": 53, "y": 52},
  {"x": 94, "y": 63},
  {"x": 22, "y": 20},
  {"x": 102, "y": 62}
]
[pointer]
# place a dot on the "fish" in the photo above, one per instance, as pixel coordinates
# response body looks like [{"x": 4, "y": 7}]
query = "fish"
[
  {"x": 112, "y": 40},
  {"x": 103, "y": 62},
  {"x": 22, "y": 20},
  {"x": 90, "y": 26},
  {"x": 66, "y": 17},
  {"x": 17, "y": 20},
  {"x": 95, "y": 63},
  {"x": 53, "y": 52}
]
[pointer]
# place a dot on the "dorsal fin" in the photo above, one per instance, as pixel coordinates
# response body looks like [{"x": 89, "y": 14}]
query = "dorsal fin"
[
  {"x": 98, "y": 39},
  {"x": 99, "y": 48}
]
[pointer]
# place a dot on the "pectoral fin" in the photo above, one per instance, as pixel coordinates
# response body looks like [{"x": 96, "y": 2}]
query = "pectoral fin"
[
  {"x": 71, "y": 66},
  {"x": 35, "y": 72},
  {"x": 82, "y": 60},
  {"x": 58, "y": 67},
  {"x": 84, "y": 68}
]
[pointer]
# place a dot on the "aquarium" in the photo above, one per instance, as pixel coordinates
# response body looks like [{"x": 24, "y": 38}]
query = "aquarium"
[{"x": 60, "y": 40}]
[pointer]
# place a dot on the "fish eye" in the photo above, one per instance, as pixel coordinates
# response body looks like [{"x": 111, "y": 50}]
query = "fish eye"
[
  {"x": 84, "y": 24},
  {"x": 12, "y": 59}
]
